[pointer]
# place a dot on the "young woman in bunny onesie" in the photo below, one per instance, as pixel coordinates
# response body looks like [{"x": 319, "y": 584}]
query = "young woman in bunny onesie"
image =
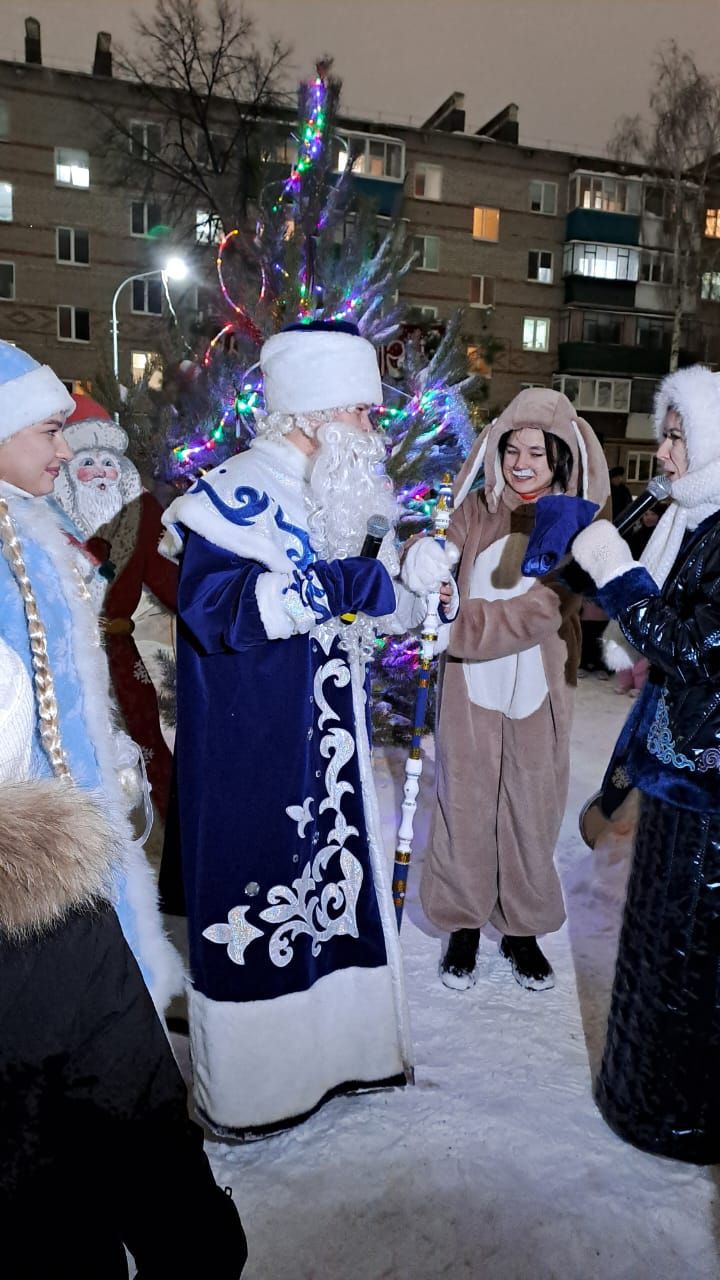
[{"x": 507, "y": 687}]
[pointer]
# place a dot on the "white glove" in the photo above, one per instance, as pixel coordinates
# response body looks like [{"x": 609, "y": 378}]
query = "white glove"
[
  {"x": 425, "y": 567},
  {"x": 602, "y": 553}
]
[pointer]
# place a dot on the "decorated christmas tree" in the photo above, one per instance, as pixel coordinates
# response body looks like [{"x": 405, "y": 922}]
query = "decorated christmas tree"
[{"x": 298, "y": 264}]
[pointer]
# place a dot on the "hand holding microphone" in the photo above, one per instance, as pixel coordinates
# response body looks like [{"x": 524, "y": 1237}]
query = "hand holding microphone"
[
  {"x": 601, "y": 551},
  {"x": 377, "y": 527}
]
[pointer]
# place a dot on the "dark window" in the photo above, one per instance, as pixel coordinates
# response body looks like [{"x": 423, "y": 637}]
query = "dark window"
[
  {"x": 600, "y": 326},
  {"x": 7, "y": 280}
]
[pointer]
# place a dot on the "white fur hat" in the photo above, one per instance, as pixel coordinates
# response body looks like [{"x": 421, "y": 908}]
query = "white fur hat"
[
  {"x": 29, "y": 392},
  {"x": 695, "y": 393},
  {"x": 316, "y": 367}
]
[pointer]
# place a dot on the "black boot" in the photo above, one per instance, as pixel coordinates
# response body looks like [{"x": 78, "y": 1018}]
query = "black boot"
[
  {"x": 529, "y": 966},
  {"x": 457, "y": 968}
]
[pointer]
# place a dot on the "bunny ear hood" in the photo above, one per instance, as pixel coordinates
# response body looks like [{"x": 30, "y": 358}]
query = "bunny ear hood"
[{"x": 549, "y": 411}]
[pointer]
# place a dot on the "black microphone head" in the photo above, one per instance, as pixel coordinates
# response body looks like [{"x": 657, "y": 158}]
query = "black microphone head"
[
  {"x": 377, "y": 527},
  {"x": 660, "y": 487}
]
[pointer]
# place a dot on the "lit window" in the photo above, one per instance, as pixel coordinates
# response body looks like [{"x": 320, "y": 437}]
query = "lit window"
[
  {"x": 536, "y": 333},
  {"x": 710, "y": 286},
  {"x": 540, "y": 266},
  {"x": 482, "y": 291},
  {"x": 6, "y": 202},
  {"x": 139, "y": 361},
  {"x": 605, "y": 194},
  {"x": 145, "y": 138},
  {"x": 477, "y": 361},
  {"x": 145, "y": 218},
  {"x": 208, "y": 227},
  {"x": 147, "y": 297},
  {"x": 486, "y": 224},
  {"x": 72, "y": 245},
  {"x": 543, "y": 197},
  {"x": 7, "y": 281},
  {"x": 73, "y": 324},
  {"x": 72, "y": 168},
  {"x": 77, "y": 386},
  {"x": 428, "y": 250},
  {"x": 712, "y": 223},
  {"x": 601, "y": 261},
  {"x": 428, "y": 182}
]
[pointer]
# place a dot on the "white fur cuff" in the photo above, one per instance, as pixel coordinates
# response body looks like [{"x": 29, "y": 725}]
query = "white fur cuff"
[
  {"x": 271, "y": 601},
  {"x": 602, "y": 553}
]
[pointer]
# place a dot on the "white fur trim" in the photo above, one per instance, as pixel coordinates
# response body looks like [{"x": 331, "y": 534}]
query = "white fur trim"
[
  {"x": 695, "y": 393},
  {"x": 31, "y": 398},
  {"x": 618, "y": 653},
  {"x": 17, "y": 716},
  {"x": 582, "y": 450},
  {"x": 308, "y": 370},
  {"x": 265, "y": 1061},
  {"x": 96, "y": 433},
  {"x": 35, "y": 521},
  {"x": 274, "y": 615}
]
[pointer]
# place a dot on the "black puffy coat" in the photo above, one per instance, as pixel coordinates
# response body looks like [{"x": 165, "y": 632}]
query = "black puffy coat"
[
  {"x": 670, "y": 745},
  {"x": 97, "y": 1150}
]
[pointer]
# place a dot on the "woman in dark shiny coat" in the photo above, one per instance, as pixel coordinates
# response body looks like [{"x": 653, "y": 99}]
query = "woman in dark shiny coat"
[{"x": 658, "y": 1084}]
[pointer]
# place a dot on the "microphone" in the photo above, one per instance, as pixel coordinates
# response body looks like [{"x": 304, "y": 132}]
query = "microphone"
[
  {"x": 658, "y": 489},
  {"x": 377, "y": 527}
]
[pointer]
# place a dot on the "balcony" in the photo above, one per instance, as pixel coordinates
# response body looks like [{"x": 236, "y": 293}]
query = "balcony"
[
  {"x": 378, "y": 168},
  {"x": 598, "y": 292},
  {"x": 607, "y": 228},
  {"x": 606, "y": 357}
]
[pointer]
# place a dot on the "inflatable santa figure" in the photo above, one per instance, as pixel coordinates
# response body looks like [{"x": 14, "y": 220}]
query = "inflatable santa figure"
[{"x": 100, "y": 490}]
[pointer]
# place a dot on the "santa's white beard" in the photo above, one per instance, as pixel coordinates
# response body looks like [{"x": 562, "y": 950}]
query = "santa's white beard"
[
  {"x": 346, "y": 489},
  {"x": 97, "y": 507}
]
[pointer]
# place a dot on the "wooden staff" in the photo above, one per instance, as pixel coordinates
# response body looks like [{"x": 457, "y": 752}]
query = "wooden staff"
[{"x": 414, "y": 762}]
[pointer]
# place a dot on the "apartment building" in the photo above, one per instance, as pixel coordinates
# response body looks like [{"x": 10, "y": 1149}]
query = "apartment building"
[{"x": 560, "y": 262}]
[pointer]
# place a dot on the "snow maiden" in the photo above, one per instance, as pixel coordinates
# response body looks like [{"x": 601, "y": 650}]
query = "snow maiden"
[{"x": 658, "y": 1082}]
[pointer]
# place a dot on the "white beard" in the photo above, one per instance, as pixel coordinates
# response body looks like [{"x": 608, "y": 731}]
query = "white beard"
[
  {"x": 346, "y": 488},
  {"x": 97, "y": 507}
]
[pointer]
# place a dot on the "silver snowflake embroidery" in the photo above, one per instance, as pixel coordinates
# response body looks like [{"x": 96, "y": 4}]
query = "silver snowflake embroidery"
[
  {"x": 140, "y": 673},
  {"x": 237, "y": 934}
]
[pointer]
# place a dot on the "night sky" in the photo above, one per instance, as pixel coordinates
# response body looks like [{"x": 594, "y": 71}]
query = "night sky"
[{"x": 571, "y": 65}]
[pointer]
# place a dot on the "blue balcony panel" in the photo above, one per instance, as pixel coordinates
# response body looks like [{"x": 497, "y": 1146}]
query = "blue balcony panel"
[
  {"x": 594, "y": 291},
  {"x": 602, "y": 228}
]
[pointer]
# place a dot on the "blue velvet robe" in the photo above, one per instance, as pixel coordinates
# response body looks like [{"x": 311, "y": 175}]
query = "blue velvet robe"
[{"x": 297, "y": 986}]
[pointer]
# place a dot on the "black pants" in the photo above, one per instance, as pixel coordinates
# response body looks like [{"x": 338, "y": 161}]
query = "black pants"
[
  {"x": 659, "y": 1082},
  {"x": 97, "y": 1150}
]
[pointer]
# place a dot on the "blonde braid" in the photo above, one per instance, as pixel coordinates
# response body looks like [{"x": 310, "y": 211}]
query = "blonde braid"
[{"x": 46, "y": 701}]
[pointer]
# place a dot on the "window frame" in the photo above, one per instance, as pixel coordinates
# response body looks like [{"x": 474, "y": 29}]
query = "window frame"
[
  {"x": 146, "y": 283},
  {"x": 6, "y": 262},
  {"x": 141, "y": 150},
  {"x": 426, "y": 169},
  {"x": 537, "y": 279},
  {"x": 65, "y": 306},
  {"x": 73, "y": 261},
  {"x": 482, "y": 210},
  {"x": 482, "y": 305},
  {"x": 543, "y": 183},
  {"x": 76, "y": 151},
  {"x": 713, "y": 289},
  {"x": 535, "y": 320},
  {"x": 148, "y": 222},
  {"x": 214, "y": 226},
  {"x": 420, "y": 266}
]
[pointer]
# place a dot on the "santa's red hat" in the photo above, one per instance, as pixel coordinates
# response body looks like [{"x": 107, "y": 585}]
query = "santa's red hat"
[{"x": 91, "y": 426}]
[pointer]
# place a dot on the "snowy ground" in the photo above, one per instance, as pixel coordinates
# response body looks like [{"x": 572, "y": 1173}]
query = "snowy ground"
[{"x": 496, "y": 1164}]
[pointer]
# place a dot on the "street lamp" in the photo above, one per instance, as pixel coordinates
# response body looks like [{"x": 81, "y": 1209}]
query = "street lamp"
[{"x": 174, "y": 269}]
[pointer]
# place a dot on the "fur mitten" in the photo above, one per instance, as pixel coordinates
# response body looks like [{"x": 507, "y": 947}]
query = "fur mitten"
[
  {"x": 425, "y": 567},
  {"x": 602, "y": 553}
]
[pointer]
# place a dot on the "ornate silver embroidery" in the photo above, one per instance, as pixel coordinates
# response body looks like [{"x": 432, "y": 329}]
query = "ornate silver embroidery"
[
  {"x": 309, "y": 906},
  {"x": 298, "y": 909},
  {"x": 237, "y": 934},
  {"x": 660, "y": 741},
  {"x": 301, "y": 813}
]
